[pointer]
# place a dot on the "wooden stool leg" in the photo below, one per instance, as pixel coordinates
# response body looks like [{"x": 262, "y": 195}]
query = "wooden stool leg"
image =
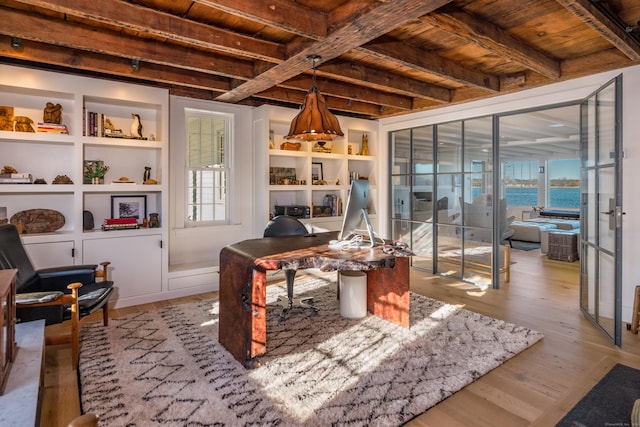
[{"x": 635, "y": 319}]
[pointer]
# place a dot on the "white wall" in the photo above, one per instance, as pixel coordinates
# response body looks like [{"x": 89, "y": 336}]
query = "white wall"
[
  {"x": 203, "y": 244},
  {"x": 548, "y": 95}
]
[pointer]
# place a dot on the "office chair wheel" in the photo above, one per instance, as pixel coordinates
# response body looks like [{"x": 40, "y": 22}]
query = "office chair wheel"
[{"x": 289, "y": 304}]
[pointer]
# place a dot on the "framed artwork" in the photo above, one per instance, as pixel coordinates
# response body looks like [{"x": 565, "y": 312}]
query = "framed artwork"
[
  {"x": 129, "y": 207},
  {"x": 278, "y": 176},
  {"x": 316, "y": 172}
]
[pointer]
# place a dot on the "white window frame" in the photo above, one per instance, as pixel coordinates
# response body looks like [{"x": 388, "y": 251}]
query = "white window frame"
[{"x": 225, "y": 169}]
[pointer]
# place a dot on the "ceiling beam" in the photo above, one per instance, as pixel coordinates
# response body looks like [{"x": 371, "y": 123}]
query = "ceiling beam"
[
  {"x": 351, "y": 92},
  {"x": 73, "y": 59},
  {"x": 601, "y": 23},
  {"x": 63, "y": 33},
  {"x": 144, "y": 20},
  {"x": 494, "y": 39},
  {"x": 419, "y": 59},
  {"x": 382, "y": 80},
  {"x": 349, "y": 35},
  {"x": 333, "y": 103}
]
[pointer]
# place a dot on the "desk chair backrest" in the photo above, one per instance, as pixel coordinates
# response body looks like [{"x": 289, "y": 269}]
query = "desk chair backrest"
[
  {"x": 284, "y": 225},
  {"x": 13, "y": 255}
]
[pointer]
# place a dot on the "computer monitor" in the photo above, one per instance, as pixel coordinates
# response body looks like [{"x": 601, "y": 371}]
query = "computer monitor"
[{"x": 355, "y": 212}]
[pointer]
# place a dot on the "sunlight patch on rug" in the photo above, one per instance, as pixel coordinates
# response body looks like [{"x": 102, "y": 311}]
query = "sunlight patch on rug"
[{"x": 165, "y": 367}]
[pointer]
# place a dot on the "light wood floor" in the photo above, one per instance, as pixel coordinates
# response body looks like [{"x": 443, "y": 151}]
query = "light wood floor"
[{"x": 535, "y": 388}]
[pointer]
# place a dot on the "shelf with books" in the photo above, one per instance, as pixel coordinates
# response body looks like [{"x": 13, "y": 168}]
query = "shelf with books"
[
  {"x": 50, "y": 154},
  {"x": 117, "y": 119},
  {"x": 26, "y": 103},
  {"x": 319, "y": 170}
]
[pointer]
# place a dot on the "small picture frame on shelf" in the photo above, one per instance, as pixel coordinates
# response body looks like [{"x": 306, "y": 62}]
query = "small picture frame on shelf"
[
  {"x": 129, "y": 207},
  {"x": 316, "y": 172}
]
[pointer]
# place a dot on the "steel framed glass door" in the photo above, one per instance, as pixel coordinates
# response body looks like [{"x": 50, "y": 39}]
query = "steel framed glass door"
[{"x": 601, "y": 209}]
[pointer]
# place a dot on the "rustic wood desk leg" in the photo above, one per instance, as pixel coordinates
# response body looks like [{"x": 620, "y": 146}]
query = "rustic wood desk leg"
[
  {"x": 388, "y": 292},
  {"x": 635, "y": 319},
  {"x": 242, "y": 326}
]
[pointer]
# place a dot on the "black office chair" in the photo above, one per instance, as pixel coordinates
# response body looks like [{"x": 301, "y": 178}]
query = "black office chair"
[
  {"x": 280, "y": 226},
  {"x": 55, "y": 294}
]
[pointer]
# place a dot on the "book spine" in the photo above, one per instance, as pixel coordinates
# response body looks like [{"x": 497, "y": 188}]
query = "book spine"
[{"x": 114, "y": 221}]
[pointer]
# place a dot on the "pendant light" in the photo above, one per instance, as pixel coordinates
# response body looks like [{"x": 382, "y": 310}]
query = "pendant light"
[{"x": 314, "y": 122}]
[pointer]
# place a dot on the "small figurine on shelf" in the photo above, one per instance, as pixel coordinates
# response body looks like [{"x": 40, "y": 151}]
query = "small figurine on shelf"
[
  {"x": 147, "y": 174},
  {"x": 23, "y": 124},
  {"x": 62, "y": 179},
  {"x": 154, "y": 220},
  {"x": 136, "y": 127},
  {"x": 365, "y": 145},
  {"x": 52, "y": 113}
]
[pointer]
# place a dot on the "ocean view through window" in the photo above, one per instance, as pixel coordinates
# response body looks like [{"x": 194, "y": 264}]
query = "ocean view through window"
[{"x": 521, "y": 183}]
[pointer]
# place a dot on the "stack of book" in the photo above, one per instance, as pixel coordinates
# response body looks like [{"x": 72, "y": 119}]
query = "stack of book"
[
  {"x": 16, "y": 178},
  {"x": 53, "y": 128},
  {"x": 94, "y": 124},
  {"x": 120, "y": 224}
]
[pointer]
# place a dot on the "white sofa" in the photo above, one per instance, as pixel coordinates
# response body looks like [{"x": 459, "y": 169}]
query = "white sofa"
[{"x": 530, "y": 231}]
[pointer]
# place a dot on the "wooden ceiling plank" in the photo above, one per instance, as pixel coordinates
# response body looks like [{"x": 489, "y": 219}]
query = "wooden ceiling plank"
[
  {"x": 597, "y": 20},
  {"x": 494, "y": 39},
  {"x": 145, "y": 20},
  {"x": 308, "y": 22},
  {"x": 595, "y": 63},
  {"x": 377, "y": 21},
  {"x": 427, "y": 62},
  {"x": 37, "y": 28}
]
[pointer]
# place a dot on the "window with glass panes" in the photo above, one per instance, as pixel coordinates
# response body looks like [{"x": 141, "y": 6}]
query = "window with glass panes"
[{"x": 207, "y": 167}]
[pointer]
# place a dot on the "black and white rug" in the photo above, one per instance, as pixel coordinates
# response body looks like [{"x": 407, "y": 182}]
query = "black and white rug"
[{"x": 165, "y": 367}]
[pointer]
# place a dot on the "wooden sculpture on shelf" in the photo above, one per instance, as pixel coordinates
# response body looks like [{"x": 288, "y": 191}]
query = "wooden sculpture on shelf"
[
  {"x": 8, "y": 169},
  {"x": 293, "y": 146},
  {"x": 6, "y": 118},
  {"x": 52, "y": 113},
  {"x": 23, "y": 124}
]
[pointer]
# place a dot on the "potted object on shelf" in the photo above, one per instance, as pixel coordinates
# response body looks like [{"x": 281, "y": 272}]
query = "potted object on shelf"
[{"x": 94, "y": 171}]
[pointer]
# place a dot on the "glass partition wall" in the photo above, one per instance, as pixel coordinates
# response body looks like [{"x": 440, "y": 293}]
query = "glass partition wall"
[
  {"x": 445, "y": 213},
  {"x": 448, "y": 179}
]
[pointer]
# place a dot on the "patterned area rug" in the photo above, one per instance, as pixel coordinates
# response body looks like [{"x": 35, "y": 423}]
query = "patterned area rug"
[{"x": 165, "y": 367}]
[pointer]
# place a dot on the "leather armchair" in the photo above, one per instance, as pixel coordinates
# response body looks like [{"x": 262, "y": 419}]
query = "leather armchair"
[{"x": 55, "y": 294}]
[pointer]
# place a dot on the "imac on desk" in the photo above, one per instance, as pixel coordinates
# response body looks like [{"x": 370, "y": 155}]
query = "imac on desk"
[{"x": 355, "y": 212}]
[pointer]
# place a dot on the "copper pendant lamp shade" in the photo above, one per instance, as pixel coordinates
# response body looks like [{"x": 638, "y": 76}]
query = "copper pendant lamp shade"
[{"x": 314, "y": 122}]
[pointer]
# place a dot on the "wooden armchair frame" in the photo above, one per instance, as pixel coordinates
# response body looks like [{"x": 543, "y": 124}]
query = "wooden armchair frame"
[{"x": 76, "y": 321}]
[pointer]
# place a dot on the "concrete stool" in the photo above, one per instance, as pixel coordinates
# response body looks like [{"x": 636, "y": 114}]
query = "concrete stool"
[{"x": 353, "y": 294}]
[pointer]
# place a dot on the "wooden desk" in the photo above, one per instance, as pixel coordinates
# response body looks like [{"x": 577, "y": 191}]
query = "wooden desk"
[{"x": 243, "y": 266}]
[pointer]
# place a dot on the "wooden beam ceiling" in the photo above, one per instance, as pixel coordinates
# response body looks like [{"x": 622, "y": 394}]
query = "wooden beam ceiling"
[{"x": 379, "y": 58}]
